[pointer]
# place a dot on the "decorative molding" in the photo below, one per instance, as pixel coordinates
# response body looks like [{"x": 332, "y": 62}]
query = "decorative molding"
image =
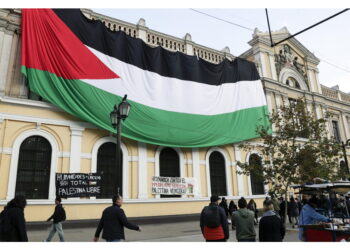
[
  {"x": 125, "y": 164},
  {"x": 15, "y": 155},
  {"x": 181, "y": 162},
  {"x": 63, "y": 154},
  {"x": 227, "y": 170},
  {"x": 85, "y": 156},
  {"x": 6, "y": 151},
  {"x": 35, "y": 120},
  {"x": 202, "y": 162},
  {"x": 133, "y": 158},
  {"x": 151, "y": 160},
  {"x": 128, "y": 201}
]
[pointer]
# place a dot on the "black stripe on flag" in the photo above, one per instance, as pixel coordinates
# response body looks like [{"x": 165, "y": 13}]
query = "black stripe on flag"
[{"x": 134, "y": 51}]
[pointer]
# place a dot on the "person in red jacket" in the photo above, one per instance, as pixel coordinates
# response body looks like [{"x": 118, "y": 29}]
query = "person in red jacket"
[{"x": 213, "y": 221}]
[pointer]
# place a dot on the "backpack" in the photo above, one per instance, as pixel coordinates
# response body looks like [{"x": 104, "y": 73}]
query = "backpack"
[{"x": 212, "y": 216}]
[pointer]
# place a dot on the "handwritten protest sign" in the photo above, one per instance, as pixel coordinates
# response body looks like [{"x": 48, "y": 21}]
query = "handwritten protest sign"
[
  {"x": 77, "y": 185},
  {"x": 173, "y": 185}
]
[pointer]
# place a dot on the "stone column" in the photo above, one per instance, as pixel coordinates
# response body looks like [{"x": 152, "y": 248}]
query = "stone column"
[
  {"x": 240, "y": 183},
  {"x": 318, "y": 86},
  {"x": 142, "y": 171},
  {"x": 269, "y": 101},
  {"x": 196, "y": 171},
  {"x": 273, "y": 67},
  {"x": 261, "y": 59},
  {"x": 6, "y": 37},
  {"x": 188, "y": 44},
  {"x": 142, "y": 30},
  {"x": 75, "y": 149},
  {"x": 345, "y": 126},
  {"x": 313, "y": 87}
]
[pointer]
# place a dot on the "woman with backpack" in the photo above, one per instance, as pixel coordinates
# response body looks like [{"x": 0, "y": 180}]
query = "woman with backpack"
[{"x": 213, "y": 221}]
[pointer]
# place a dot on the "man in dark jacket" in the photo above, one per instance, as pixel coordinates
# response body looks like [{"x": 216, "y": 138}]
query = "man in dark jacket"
[
  {"x": 213, "y": 221},
  {"x": 113, "y": 222},
  {"x": 12, "y": 222},
  {"x": 271, "y": 226},
  {"x": 58, "y": 216}
]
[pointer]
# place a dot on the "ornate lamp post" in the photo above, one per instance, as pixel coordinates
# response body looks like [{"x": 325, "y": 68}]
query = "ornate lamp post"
[
  {"x": 118, "y": 114},
  {"x": 344, "y": 153}
]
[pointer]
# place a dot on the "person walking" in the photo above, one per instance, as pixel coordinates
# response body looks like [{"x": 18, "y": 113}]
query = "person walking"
[
  {"x": 58, "y": 216},
  {"x": 293, "y": 212},
  {"x": 232, "y": 207},
  {"x": 223, "y": 204},
  {"x": 252, "y": 206},
  {"x": 113, "y": 221},
  {"x": 12, "y": 222},
  {"x": 282, "y": 209},
  {"x": 243, "y": 220},
  {"x": 213, "y": 221},
  {"x": 271, "y": 226}
]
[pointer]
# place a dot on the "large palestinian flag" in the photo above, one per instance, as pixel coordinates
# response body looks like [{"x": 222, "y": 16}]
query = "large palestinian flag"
[{"x": 177, "y": 100}]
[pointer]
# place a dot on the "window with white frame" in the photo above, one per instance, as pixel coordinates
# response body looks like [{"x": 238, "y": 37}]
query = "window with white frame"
[
  {"x": 256, "y": 180},
  {"x": 217, "y": 174},
  {"x": 107, "y": 168},
  {"x": 169, "y": 166},
  {"x": 34, "y": 165},
  {"x": 336, "y": 131}
]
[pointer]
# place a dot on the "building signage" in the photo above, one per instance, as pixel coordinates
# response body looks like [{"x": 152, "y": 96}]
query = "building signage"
[
  {"x": 77, "y": 185},
  {"x": 173, "y": 185}
]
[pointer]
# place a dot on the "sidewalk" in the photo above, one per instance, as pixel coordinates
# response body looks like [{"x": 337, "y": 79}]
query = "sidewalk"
[{"x": 165, "y": 232}]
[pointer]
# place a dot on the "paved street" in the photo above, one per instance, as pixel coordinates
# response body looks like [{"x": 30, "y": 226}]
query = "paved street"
[{"x": 170, "y": 232}]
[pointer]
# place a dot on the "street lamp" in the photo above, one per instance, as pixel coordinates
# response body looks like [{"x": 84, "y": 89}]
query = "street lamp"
[
  {"x": 344, "y": 153},
  {"x": 119, "y": 113}
]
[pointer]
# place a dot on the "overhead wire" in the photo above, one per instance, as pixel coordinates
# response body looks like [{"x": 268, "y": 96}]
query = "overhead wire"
[
  {"x": 223, "y": 20},
  {"x": 247, "y": 28}
]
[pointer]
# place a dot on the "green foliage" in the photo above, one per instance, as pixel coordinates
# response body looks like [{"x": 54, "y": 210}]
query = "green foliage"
[{"x": 297, "y": 151}]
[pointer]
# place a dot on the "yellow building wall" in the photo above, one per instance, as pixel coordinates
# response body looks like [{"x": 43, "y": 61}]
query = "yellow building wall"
[
  {"x": 4, "y": 175},
  {"x": 46, "y": 113}
]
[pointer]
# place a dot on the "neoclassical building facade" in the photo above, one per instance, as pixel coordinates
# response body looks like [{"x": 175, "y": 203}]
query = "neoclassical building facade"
[{"x": 38, "y": 139}]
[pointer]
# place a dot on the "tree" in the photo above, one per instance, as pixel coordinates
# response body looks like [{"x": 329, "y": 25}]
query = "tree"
[{"x": 298, "y": 150}]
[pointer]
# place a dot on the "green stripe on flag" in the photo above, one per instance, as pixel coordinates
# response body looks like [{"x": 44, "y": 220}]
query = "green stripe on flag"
[{"x": 146, "y": 124}]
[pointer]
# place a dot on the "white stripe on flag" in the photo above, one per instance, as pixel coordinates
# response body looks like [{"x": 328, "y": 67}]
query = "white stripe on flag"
[{"x": 171, "y": 94}]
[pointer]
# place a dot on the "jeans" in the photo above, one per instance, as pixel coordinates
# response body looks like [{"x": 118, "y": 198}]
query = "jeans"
[
  {"x": 247, "y": 240},
  {"x": 116, "y": 240},
  {"x": 56, "y": 227}
]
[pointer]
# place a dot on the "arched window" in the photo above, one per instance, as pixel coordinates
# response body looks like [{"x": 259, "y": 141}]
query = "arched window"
[
  {"x": 217, "y": 174},
  {"x": 256, "y": 181},
  {"x": 292, "y": 82},
  {"x": 34, "y": 164},
  {"x": 169, "y": 166},
  {"x": 107, "y": 167}
]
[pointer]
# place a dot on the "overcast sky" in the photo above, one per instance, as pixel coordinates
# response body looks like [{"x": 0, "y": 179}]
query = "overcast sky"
[{"x": 329, "y": 41}]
